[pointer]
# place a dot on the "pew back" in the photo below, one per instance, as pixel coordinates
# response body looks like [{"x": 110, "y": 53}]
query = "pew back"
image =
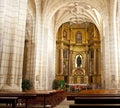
[
  {"x": 97, "y": 100},
  {"x": 94, "y": 106}
]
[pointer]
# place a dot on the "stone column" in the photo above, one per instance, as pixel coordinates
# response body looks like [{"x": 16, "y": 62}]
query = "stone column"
[
  {"x": 118, "y": 25},
  {"x": 112, "y": 67},
  {"x": 45, "y": 50},
  {"x": 2, "y": 38},
  {"x": 13, "y": 43},
  {"x": 38, "y": 52}
]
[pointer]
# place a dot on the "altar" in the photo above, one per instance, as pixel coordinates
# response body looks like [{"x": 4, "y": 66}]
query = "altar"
[{"x": 76, "y": 87}]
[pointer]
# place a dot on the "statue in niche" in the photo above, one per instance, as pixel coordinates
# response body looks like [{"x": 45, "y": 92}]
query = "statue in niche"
[
  {"x": 64, "y": 53},
  {"x": 78, "y": 61},
  {"x": 65, "y": 34}
]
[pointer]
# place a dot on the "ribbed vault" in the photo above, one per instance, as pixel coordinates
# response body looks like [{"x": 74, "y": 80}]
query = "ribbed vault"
[{"x": 82, "y": 10}]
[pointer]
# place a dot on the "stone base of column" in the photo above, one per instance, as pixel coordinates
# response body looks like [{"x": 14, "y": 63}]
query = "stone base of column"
[{"x": 11, "y": 88}]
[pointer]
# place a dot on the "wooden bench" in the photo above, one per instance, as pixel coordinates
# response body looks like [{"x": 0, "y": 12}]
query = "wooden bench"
[
  {"x": 49, "y": 98},
  {"x": 9, "y": 100},
  {"x": 44, "y": 98},
  {"x": 94, "y": 106},
  {"x": 21, "y": 96},
  {"x": 96, "y": 101},
  {"x": 72, "y": 96}
]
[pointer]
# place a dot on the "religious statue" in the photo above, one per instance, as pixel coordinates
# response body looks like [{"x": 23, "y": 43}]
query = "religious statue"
[
  {"x": 78, "y": 61},
  {"x": 65, "y": 34}
]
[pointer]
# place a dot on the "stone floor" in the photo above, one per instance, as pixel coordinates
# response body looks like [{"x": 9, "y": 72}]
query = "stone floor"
[{"x": 64, "y": 104}]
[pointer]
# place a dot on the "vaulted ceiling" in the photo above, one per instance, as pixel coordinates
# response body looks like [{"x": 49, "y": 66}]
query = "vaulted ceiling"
[
  {"x": 76, "y": 11},
  {"x": 58, "y": 12}
]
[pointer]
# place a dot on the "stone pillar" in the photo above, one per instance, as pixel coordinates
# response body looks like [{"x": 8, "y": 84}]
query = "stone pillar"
[
  {"x": 2, "y": 38},
  {"x": 38, "y": 52},
  {"x": 105, "y": 54},
  {"x": 14, "y": 20},
  {"x": 113, "y": 82},
  {"x": 118, "y": 25},
  {"x": 45, "y": 50},
  {"x": 51, "y": 48},
  {"x": 45, "y": 58}
]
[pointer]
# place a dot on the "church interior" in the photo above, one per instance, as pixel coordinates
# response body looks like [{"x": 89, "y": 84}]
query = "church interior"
[
  {"x": 50, "y": 48},
  {"x": 78, "y": 53}
]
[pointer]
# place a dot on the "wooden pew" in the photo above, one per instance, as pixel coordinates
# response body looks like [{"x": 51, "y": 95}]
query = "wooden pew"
[
  {"x": 21, "y": 96},
  {"x": 9, "y": 100},
  {"x": 44, "y": 98},
  {"x": 72, "y": 96},
  {"x": 94, "y": 106},
  {"x": 95, "y": 100},
  {"x": 49, "y": 98}
]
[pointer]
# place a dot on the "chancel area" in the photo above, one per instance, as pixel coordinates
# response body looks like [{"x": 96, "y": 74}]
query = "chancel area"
[
  {"x": 51, "y": 48},
  {"x": 78, "y": 54}
]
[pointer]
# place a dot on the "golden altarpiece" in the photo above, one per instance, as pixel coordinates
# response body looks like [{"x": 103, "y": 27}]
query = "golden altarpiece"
[{"x": 78, "y": 54}]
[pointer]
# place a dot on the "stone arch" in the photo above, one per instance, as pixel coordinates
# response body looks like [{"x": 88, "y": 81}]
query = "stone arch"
[
  {"x": 51, "y": 16},
  {"x": 102, "y": 24},
  {"x": 61, "y": 4}
]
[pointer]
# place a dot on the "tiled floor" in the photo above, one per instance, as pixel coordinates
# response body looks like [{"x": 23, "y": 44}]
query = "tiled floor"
[{"x": 64, "y": 104}]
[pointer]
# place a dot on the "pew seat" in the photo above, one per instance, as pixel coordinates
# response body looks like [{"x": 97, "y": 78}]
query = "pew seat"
[
  {"x": 9, "y": 100},
  {"x": 94, "y": 106},
  {"x": 44, "y": 98},
  {"x": 97, "y": 100}
]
